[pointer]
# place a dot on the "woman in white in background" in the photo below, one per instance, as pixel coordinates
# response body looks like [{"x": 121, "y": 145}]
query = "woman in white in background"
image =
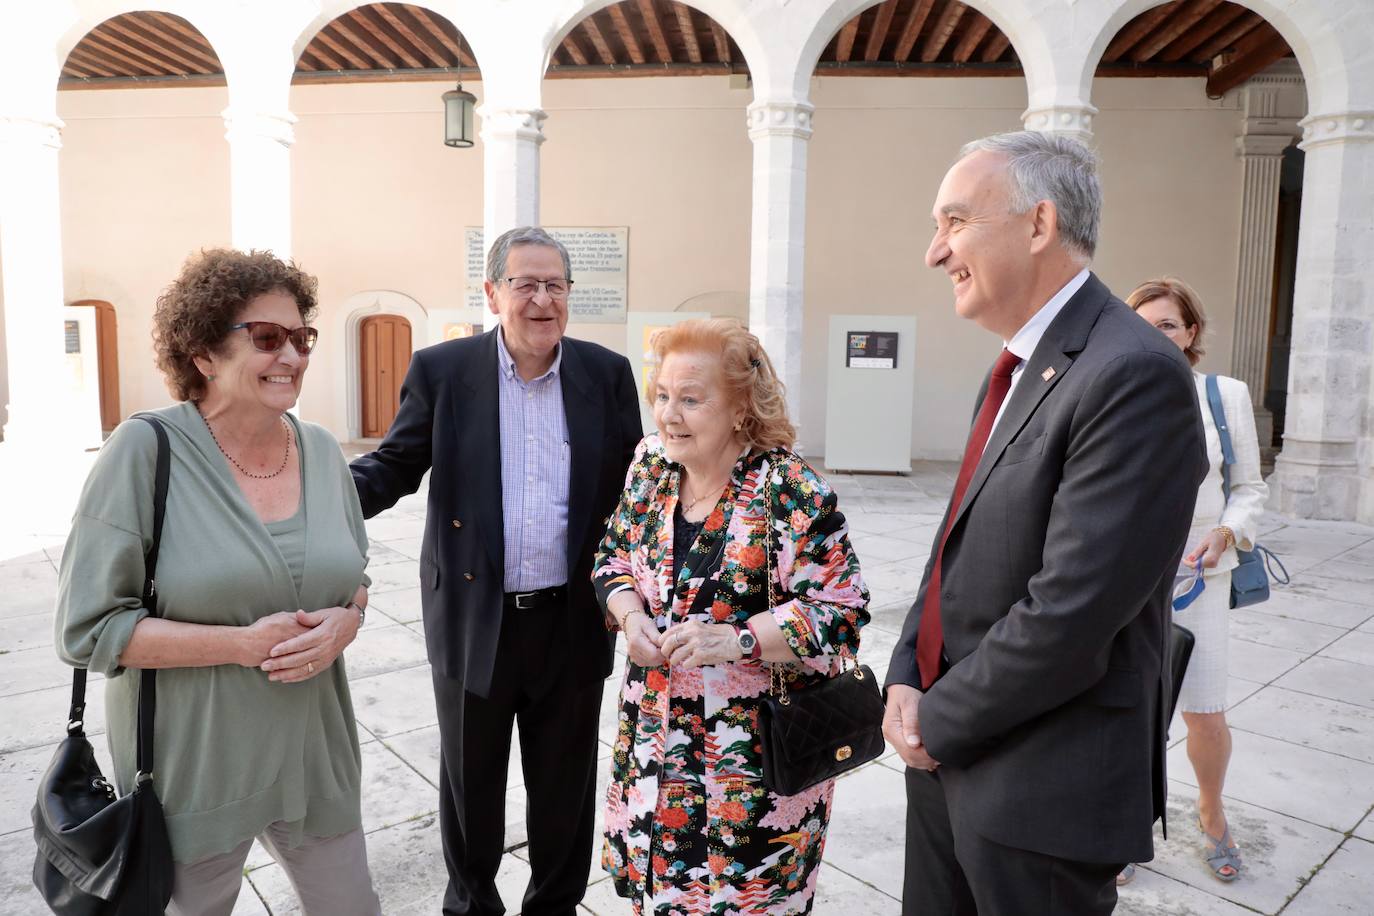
[{"x": 1220, "y": 524}]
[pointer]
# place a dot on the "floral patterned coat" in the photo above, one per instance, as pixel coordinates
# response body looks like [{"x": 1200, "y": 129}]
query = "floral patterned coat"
[{"x": 690, "y": 829}]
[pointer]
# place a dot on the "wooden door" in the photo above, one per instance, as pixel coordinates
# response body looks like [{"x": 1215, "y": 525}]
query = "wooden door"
[
  {"x": 107, "y": 357},
  {"x": 384, "y": 357}
]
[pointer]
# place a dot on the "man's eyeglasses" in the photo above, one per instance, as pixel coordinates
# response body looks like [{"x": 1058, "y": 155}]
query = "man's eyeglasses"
[
  {"x": 269, "y": 337},
  {"x": 527, "y": 287}
]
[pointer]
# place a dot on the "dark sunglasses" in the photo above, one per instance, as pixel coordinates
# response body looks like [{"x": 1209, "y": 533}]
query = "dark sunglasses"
[{"x": 269, "y": 337}]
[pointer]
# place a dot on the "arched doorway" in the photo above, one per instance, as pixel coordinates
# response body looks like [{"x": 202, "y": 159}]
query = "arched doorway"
[
  {"x": 384, "y": 348},
  {"x": 107, "y": 357}
]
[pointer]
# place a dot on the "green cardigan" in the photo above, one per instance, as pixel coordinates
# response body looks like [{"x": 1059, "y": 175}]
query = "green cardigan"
[{"x": 233, "y": 752}]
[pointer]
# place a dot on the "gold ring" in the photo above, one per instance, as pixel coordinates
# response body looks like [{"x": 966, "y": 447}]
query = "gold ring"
[{"x": 309, "y": 667}]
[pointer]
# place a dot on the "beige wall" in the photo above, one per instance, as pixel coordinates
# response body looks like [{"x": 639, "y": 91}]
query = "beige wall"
[{"x": 380, "y": 204}]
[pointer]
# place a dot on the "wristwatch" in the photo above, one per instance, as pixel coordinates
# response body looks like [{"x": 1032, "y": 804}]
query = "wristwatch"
[{"x": 748, "y": 642}]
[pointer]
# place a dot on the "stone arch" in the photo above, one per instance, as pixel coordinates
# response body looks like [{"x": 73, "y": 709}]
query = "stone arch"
[
  {"x": 1030, "y": 42},
  {"x": 461, "y": 15},
  {"x": 345, "y": 321},
  {"x": 730, "y": 15},
  {"x": 92, "y": 14}
]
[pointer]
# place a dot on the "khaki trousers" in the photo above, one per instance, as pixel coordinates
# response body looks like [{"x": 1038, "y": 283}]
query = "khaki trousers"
[{"x": 329, "y": 875}]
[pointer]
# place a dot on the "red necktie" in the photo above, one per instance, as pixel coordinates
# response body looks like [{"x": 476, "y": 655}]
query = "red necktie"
[{"x": 931, "y": 637}]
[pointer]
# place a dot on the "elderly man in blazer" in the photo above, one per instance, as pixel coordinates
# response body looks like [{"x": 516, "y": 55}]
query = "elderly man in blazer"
[
  {"x": 528, "y": 434},
  {"x": 1028, "y": 694}
]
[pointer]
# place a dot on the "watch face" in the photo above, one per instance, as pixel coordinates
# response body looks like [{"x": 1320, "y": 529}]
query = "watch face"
[{"x": 747, "y": 641}]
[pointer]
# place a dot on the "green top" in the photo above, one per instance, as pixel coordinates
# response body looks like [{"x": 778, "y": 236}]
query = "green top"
[
  {"x": 289, "y": 536},
  {"x": 233, "y": 752}
]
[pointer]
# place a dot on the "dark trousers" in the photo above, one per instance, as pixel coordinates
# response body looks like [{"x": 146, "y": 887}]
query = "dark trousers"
[
  {"x": 557, "y": 721},
  {"x": 953, "y": 871}
]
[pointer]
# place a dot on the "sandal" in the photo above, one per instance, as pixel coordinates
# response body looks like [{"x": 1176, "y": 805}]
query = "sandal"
[
  {"x": 1221, "y": 854},
  {"x": 1124, "y": 876}
]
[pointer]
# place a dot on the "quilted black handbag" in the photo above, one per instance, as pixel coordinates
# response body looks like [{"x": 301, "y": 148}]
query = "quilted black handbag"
[
  {"x": 99, "y": 855},
  {"x": 816, "y": 733}
]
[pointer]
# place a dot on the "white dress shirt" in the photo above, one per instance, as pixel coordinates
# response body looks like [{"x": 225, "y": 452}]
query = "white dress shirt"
[{"x": 1025, "y": 341}]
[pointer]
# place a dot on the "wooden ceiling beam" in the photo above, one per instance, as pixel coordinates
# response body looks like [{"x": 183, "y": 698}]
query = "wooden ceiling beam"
[
  {"x": 1229, "y": 36},
  {"x": 996, "y": 47},
  {"x": 456, "y": 46},
  {"x": 974, "y": 32},
  {"x": 911, "y": 29},
  {"x": 1205, "y": 30},
  {"x": 1245, "y": 65},
  {"x": 356, "y": 31},
  {"x": 157, "y": 45},
  {"x": 877, "y": 35},
  {"x": 381, "y": 29},
  {"x": 187, "y": 40},
  {"x": 325, "y": 37},
  {"x": 944, "y": 27},
  {"x": 688, "y": 28},
  {"x": 598, "y": 38},
  {"x": 1189, "y": 15},
  {"x": 655, "y": 28},
  {"x": 113, "y": 48},
  {"x": 574, "y": 51},
  {"x": 721, "y": 41},
  {"x": 182, "y": 28},
  {"x": 322, "y": 58},
  {"x": 425, "y": 44},
  {"x": 90, "y": 63},
  {"x": 844, "y": 45},
  {"x": 1137, "y": 29},
  {"x": 628, "y": 39}
]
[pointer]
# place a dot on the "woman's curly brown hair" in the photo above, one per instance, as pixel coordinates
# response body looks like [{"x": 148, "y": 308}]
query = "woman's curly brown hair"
[{"x": 193, "y": 315}]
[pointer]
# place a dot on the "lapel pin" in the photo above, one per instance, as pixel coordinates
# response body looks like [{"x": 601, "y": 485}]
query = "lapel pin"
[{"x": 1048, "y": 374}]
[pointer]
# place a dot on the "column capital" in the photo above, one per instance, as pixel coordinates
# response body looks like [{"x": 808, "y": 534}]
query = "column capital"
[
  {"x": 1074, "y": 121},
  {"x": 1336, "y": 127},
  {"x": 780, "y": 119},
  {"x": 517, "y": 123},
  {"x": 240, "y": 122},
  {"x": 32, "y": 131},
  {"x": 1263, "y": 145}
]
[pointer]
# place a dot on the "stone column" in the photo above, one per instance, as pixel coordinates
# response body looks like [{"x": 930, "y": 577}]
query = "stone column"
[
  {"x": 31, "y": 249},
  {"x": 1324, "y": 470},
  {"x": 260, "y": 177},
  {"x": 1066, "y": 120},
  {"x": 511, "y": 138},
  {"x": 1272, "y": 103},
  {"x": 780, "y": 130}
]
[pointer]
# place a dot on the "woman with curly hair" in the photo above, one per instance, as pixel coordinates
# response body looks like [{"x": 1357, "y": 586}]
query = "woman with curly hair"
[
  {"x": 260, "y": 587},
  {"x": 715, "y": 503}
]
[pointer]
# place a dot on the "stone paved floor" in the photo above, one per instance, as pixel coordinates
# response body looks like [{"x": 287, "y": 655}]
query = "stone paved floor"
[{"x": 1302, "y": 692}]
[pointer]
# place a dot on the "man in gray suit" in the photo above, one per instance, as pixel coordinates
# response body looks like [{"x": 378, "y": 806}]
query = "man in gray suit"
[{"x": 1028, "y": 693}]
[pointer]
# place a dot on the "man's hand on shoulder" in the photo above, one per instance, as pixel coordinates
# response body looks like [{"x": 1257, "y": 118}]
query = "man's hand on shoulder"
[{"x": 902, "y": 729}]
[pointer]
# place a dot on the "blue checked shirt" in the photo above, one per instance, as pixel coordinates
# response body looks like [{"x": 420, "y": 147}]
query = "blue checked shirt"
[{"x": 535, "y": 471}]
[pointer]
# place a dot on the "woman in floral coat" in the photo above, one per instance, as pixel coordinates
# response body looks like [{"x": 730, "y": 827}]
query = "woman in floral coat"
[{"x": 712, "y": 503}]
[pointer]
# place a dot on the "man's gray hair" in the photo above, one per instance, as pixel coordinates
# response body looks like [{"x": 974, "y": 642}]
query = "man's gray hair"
[
  {"x": 522, "y": 235},
  {"x": 1058, "y": 169}
]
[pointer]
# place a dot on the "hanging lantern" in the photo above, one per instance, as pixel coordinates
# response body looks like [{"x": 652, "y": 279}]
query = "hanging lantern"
[{"x": 458, "y": 108}]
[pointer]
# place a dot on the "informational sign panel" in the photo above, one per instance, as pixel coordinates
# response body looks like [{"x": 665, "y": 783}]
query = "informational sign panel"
[
  {"x": 640, "y": 329},
  {"x": 870, "y": 350},
  {"x": 600, "y": 269},
  {"x": 868, "y": 413}
]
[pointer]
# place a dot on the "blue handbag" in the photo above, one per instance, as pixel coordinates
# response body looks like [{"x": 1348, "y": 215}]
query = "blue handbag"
[{"x": 1250, "y": 579}]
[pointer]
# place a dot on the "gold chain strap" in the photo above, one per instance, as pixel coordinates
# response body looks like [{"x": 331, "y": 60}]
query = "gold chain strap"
[{"x": 777, "y": 683}]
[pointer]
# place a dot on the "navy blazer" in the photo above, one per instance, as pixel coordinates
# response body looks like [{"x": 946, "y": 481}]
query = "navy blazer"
[
  {"x": 449, "y": 420},
  {"x": 1050, "y": 723}
]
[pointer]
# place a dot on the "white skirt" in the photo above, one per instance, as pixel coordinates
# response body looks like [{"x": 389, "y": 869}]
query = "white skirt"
[{"x": 1204, "y": 685}]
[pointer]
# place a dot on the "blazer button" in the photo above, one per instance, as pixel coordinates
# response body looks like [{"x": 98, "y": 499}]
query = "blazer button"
[
  {"x": 457, "y": 524},
  {"x": 469, "y": 576}
]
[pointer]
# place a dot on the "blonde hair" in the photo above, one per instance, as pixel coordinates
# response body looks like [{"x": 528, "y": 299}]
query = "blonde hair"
[
  {"x": 747, "y": 376},
  {"x": 1189, "y": 306}
]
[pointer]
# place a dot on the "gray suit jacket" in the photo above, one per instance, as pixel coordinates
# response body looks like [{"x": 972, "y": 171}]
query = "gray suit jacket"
[{"x": 1050, "y": 722}]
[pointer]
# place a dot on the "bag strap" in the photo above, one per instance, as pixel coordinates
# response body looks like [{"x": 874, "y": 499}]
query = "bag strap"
[
  {"x": 147, "y": 695},
  {"x": 1270, "y": 558},
  {"x": 1228, "y": 454}
]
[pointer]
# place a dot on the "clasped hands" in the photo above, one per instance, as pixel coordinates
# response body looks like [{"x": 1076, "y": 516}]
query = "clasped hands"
[
  {"x": 902, "y": 727},
  {"x": 294, "y": 646},
  {"x": 684, "y": 645}
]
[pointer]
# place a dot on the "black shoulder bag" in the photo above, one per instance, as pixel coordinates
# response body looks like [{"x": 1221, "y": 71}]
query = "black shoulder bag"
[
  {"x": 99, "y": 855},
  {"x": 828, "y": 728}
]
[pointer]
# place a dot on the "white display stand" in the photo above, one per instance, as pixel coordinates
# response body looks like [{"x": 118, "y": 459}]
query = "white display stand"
[
  {"x": 639, "y": 328},
  {"x": 869, "y": 393}
]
